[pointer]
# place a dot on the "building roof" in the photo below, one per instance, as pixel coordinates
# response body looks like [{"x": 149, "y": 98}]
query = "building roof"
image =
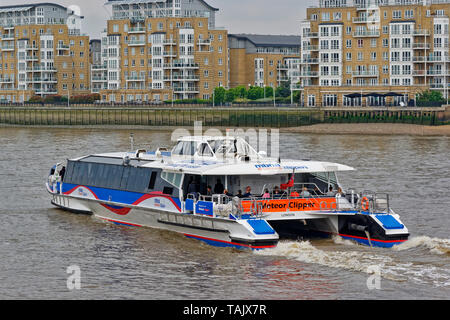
[
  {"x": 31, "y": 5},
  {"x": 149, "y": 1},
  {"x": 263, "y": 40}
]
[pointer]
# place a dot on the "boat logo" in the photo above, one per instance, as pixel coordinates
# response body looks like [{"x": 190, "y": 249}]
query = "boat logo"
[
  {"x": 159, "y": 204},
  {"x": 82, "y": 192},
  {"x": 267, "y": 166}
]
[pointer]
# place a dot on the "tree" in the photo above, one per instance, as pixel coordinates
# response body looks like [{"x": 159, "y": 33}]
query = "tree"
[
  {"x": 283, "y": 91},
  {"x": 430, "y": 96},
  {"x": 240, "y": 92},
  {"x": 219, "y": 95},
  {"x": 230, "y": 95},
  {"x": 255, "y": 93},
  {"x": 269, "y": 92}
]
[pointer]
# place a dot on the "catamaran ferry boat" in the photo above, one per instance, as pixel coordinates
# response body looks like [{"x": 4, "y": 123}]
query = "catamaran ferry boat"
[{"x": 220, "y": 190}]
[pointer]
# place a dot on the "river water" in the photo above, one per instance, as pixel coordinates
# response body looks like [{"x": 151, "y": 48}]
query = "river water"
[{"x": 39, "y": 242}]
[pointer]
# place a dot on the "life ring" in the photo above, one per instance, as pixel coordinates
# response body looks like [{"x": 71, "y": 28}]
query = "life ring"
[{"x": 365, "y": 203}]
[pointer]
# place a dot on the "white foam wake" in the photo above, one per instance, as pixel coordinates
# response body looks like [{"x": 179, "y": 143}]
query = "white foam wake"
[
  {"x": 435, "y": 245},
  {"x": 361, "y": 261}
]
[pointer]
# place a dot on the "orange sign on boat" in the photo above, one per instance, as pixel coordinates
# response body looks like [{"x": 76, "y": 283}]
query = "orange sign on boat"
[{"x": 284, "y": 205}]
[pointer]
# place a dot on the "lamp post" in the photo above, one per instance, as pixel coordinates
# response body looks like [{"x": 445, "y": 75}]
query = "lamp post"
[{"x": 68, "y": 98}]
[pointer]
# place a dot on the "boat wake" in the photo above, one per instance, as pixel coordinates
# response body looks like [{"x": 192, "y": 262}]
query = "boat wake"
[
  {"x": 353, "y": 259},
  {"x": 435, "y": 245}
]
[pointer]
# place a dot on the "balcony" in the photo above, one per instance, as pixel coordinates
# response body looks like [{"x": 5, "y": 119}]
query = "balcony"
[
  {"x": 169, "y": 54},
  {"x": 419, "y": 59},
  {"x": 186, "y": 90},
  {"x": 311, "y": 35},
  {"x": 99, "y": 79},
  {"x": 365, "y": 73},
  {"x": 40, "y": 69},
  {"x": 310, "y": 61},
  {"x": 421, "y": 32},
  {"x": 369, "y": 19},
  {"x": 6, "y": 37},
  {"x": 366, "y": 34},
  {"x": 99, "y": 67},
  {"x": 31, "y": 58},
  {"x": 135, "y": 78},
  {"x": 418, "y": 72},
  {"x": 187, "y": 77},
  {"x": 7, "y": 47},
  {"x": 308, "y": 74},
  {"x": 134, "y": 43},
  {"x": 136, "y": 30},
  {"x": 181, "y": 66},
  {"x": 6, "y": 80},
  {"x": 62, "y": 47},
  {"x": 421, "y": 46},
  {"x": 437, "y": 73},
  {"x": 311, "y": 48},
  {"x": 201, "y": 42},
  {"x": 170, "y": 42}
]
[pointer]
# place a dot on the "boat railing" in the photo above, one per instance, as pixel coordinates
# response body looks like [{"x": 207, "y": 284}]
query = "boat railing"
[{"x": 373, "y": 202}]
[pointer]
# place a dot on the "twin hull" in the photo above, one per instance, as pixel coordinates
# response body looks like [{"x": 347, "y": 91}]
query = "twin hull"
[
  {"x": 215, "y": 231},
  {"x": 163, "y": 212}
]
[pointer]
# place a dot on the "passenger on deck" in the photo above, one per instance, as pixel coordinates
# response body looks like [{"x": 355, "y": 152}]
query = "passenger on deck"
[
  {"x": 208, "y": 191},
  {"x": 317, "y": 191},
  {"x": 340, "y": 193},
  {"x": 218, "y": 188},
  {"x": 305, "y": 193},
  {"x": 276, "y": 191},
  {"x": 225, "y": 192},
  {"x": 62, "y": 172},
  {"x": 266, "y": 194},
  {"x": 239, "y": 194},
  {"x": 330, "y": 192},
  {"x": 192, "y": 187},
  {"x": 248, "y": 192},
  {"x": 294, "y": 194}
]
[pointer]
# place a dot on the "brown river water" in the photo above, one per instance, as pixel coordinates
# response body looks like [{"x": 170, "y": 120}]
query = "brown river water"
[{"x": 39, "y": 242}]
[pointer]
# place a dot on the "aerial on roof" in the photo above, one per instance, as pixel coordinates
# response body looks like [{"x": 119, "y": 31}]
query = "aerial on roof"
[{"x": 270, "y": 40}]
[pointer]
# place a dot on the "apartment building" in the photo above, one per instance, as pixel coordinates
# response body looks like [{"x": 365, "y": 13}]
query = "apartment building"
[
  {"x": 264, "y": 60},
  {"x": 369, "y": 52},
  {"x": 161, "y": 50},
  {"x": 42, "y": 52}
]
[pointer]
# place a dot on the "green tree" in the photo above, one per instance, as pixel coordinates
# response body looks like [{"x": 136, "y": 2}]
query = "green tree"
[
  {"x": 219, "y": 95},
  {"x": 255, "y": 93},
  {"x": 283, "y": 91},
  {"x": 240, "y": 92},
  {"x": 269, "y": 92},
  {"x": 230, "y": 95},
  {"x": 430, "y": 96}
]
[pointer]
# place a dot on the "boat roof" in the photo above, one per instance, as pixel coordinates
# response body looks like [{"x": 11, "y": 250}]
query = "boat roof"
[
  {"x": 257, "y": 164},
  {"x": 214, "y": 167},
  {"x": 273, "y": 167}
]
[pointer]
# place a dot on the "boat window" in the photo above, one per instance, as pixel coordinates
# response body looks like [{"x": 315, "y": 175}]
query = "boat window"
[
  {"x": 172, "y": 178},
  {"x": 186, "y": 148},
  {"x": 178, "y": 149},
  {"x": 151, "y": 184},
  {"x": 205, "y": 151},
  {"x": 168, "y": 190}
]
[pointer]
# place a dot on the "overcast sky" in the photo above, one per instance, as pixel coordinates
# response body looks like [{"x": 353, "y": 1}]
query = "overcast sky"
[{"x": 237, "y": 16}]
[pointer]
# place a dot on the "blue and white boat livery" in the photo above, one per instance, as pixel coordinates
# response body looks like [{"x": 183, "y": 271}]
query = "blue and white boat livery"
[{"x": 220, "y": 190}]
